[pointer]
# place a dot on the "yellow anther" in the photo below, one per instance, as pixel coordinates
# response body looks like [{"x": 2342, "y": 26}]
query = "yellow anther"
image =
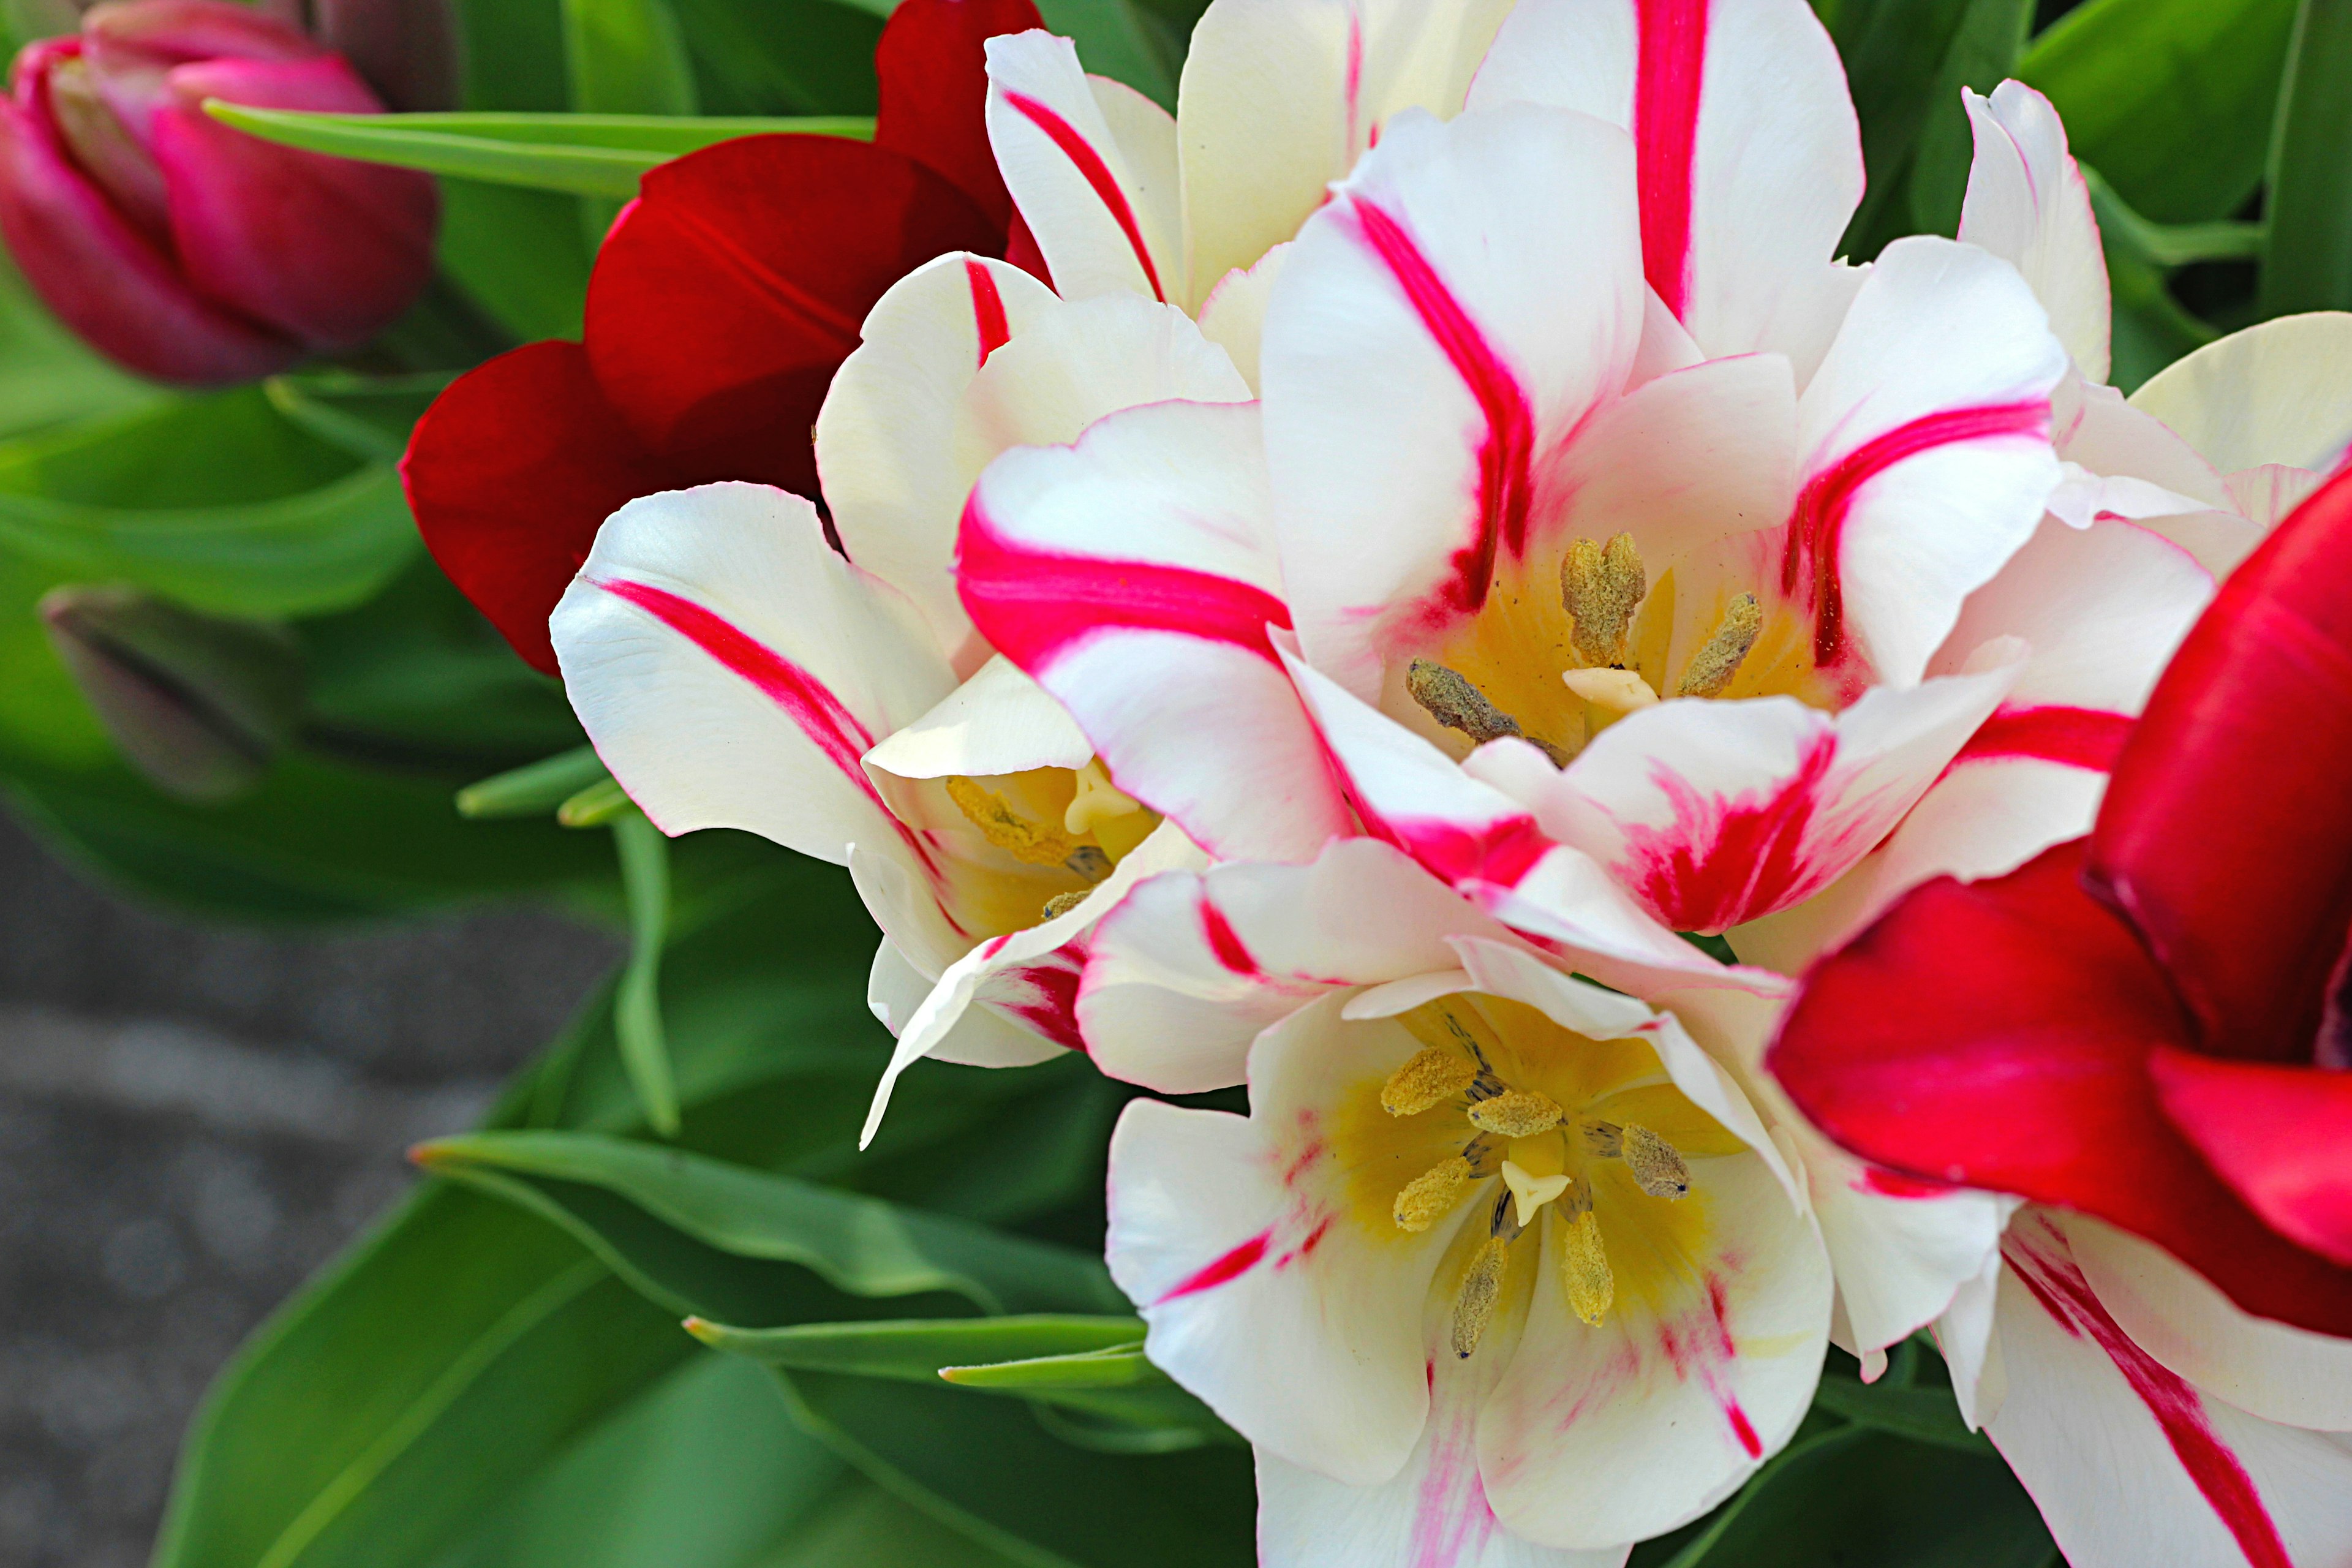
[
  {"x": 1009, "y": 830},
  {"x": 1516, "y": 1114},
  {"x": 1530, "y": 1191},
  {"x": 1061, "y": 904},
  {"x": 1431, "y": 1196},
  {"x": 1712, "y": 667},
  {"x": 1088, "y": 861},
  {"x": 1482, "y": 1288},
  {"x": 1655, "y": 1164},
  {"x": 1602, "y": 586},
  {"x": 1585, "y": 1274},
  {"x": 1617, "y": 691},
  {"x": 1098, "y": 802},
  {"x": 1448, "y": 697},
  {"x": 1433, "y": 1075}
]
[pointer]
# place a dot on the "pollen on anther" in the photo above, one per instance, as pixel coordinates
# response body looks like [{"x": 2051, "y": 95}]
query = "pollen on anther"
[
  {"x": 1655, "y": 1165},
  {"x": 1433, "y": 1075},
  {"x": 1447, "y": 696},
  {"x": 1061, "y": 904},
  {"x": 1713, "y": 667},
  {"x": 1482, "y": 1289},
  {"x": 1430, "y": 1196},
  {"x": 1585, "y": 1276},
  {"x": 1516, "y": 1114},
  {"x": 1602, "y": 586}
]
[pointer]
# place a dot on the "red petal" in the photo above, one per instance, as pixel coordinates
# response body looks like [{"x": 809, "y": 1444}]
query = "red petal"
[
  {"x": 2280, "y": 1136},
  {"x": 729, "y": 293},
  {"x": 510, "y": 473},
  {"x": 933, "y": 69},
  {"x": 2224, "y": 837},
  {"x": 1998, "y": 1034}
]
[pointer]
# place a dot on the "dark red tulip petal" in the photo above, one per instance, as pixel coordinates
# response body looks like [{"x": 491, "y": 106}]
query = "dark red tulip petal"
[
  {"x": 933, "y": 65},
  {"x": 2280, "y": 1136},
  {"x": 1998, "y": 1034},
  {"x": 109, "y": 282},
  {"x": 725, "y": 298},
  {"x": 324, "y": 250},
  {"x": 2224, "y": 837},
  {"x": 510, "y": 473}
]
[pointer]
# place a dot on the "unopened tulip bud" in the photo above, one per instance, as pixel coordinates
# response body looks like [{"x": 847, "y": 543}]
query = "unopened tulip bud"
[
  {"x": 179, "y": 246},
  {"x": 197, "y": 704}
]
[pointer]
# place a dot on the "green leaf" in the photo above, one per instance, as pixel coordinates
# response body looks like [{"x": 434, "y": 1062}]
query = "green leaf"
[
  {"x": 1116, "y": 39},
  {"x": 595, "y": 805},
  {"x": 517, "y": 254},
  {"x": 723, "y": 1242},
  {"x": 2151, "y": 328},
  {"x": 783, "y": 57},
  {"x": 988, "y": 1466},
  {"x": 2307, "y": 263},
  {"x": 367, "y": 417},
  {"x": 625, "y": 57},
  {"x": 2170, "y": 100},
  {"x": 1983, "y": 53},
  {"x": 915, "y": 1350},
  {"x": 1925, "y": 1415},
  {"x": 580, "y": 155},
  {"x": 535, "y": 789},
  {"x": 47, "y": 375},
  {"x": 636, "y": 1001}
]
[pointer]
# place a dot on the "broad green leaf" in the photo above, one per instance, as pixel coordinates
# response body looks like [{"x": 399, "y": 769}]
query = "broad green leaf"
[
  {"x": 367, "y": 417},
  {"x": 1983, "y": 54},
  {"x": 625, "y": 57},
  {"x": 47, "y": 375},
  {"x": 1925, "y": 1415},
  {"x": 535, "y": 789},
  {"x": 518, "y": 254},
  {"x": 636, "y": 998},
  {"x": 783, "y": 57},
  {"x": 867, "y": 1527},
  {"x": 2172, "y": 100},
  {"x": 990, "y": 1467},
  {"x": 580, "y": 155},
  {"x": 724, "y": 1242},
  {"x": 915, "y": 1350},
  {"x": 2307, "y": 263},
  {"x": 1116, "y": 39},
  {"x": 2151, "y": 328}
]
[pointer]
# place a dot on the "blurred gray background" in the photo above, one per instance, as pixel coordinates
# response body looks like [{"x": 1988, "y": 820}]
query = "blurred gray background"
[{"x": 193, "y": 1118}]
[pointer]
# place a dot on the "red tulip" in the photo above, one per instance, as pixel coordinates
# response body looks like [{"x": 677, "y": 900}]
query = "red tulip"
[
  {"x": 182, "y": 247},
  {"x": 722, "y": 304},
  {"x": 2152, "y": 1025}
]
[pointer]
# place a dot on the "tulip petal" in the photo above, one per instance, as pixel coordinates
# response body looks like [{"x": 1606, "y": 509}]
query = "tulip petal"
[
  {"x": 510, "y": 475},
  {"x": 2280, "y": 1136},
  {"x": 1434, "y": 333},
  {"x": 2027, "y": 204},
  {"x": 2130, "y": 1464},
  {"x": 1133, "y": 577},
  {"x": 1750, "y": 160},
  {"x": 2024, "y": 1070},
  {"x": 2222, "y": 839},
  {"x": 730, "y": 289},
  {"x": 1092, "y": 166},
  {"x": 999, "y": 721},
  {"x": 931, "y": 67},
  {"x": 1279, "y": 100},
  {"x": 732, "y": 669},
  {"x": 1187, "y": 971},
  {"x": 1928, "y": 462},
  {"x": 2278, "y": 392}
]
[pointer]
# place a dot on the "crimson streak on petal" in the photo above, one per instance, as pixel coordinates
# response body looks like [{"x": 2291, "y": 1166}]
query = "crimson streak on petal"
[
  {"x": 1671, "y": 74},
  {"x": 1090, "y": 165},
  {"x": 2087, "y": 738}
]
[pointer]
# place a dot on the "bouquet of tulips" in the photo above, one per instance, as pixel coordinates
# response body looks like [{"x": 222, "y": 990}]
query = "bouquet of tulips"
[{"x": 1400, "y": 784}]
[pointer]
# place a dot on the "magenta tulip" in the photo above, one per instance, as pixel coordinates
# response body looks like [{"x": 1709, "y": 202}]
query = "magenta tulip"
[{"x": 183, "y": 248}]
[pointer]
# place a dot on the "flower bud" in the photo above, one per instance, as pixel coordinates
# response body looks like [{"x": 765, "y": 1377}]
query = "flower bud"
[
  {"x": 197, "y": 704},
  {"x": 181, "y": 246}
]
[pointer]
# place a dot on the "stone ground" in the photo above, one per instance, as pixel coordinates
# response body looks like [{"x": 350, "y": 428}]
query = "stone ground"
[{"x": 192, "y": 1119}]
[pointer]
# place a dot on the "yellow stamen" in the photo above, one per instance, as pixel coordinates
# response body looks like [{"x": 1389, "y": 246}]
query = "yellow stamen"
[
  {"x": 1617, "y": 691},
  {"x": 1098, "y": 802},
  {"x": 1457, "y": 1026},
  {"x": 1433, "y": 1075},
  {"x": 1602, "y": 586},
  {"x": 1530, "y": 1191},
  {"x": 1025, "y": 841},
  {"x": 1061, "y": 904},
  {"x": 1584, "y": 1273},
  {"x": 1712, "y": 667},
  {"x": 1516, "y": 1114},
  {"x": 1655, "y": 1165},
  {"x": 1449, "y": 698},
  {"x": 1482, "y": 1288},
  {"x": 1430, "y": 1196}
]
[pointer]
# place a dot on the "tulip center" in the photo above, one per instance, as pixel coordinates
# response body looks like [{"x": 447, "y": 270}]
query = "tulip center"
[
  {"x": 1555, "y": 658},
  {"x": 1073, "y": 822},
  {"x": 1549, "y": 1145}
]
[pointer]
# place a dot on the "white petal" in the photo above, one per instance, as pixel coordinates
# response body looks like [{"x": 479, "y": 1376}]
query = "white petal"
[
  {"x": 999, "y": 721},
  {"x": 2130, "y": 1464},
  {"x": 1184, "y": 976},
  {"x": 2027, "y": 204},
  {"x": 1928, "y": 458},
  {"x": 1233, "y": 316},
  {"x": 894, "y": 986},
  {"x": 1091, "y": 170},
  {"x": 1965, "y": 1335},
  {"x": 1434, "y": 331},
  {"x": 1750, "y": 158},
  {"x": 2279, "y": 392},
  {"x": 732, "y": 669}
]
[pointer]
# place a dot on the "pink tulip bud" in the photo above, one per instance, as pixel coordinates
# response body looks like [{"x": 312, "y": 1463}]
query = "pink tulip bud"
[{"x": 179, "y": 246}]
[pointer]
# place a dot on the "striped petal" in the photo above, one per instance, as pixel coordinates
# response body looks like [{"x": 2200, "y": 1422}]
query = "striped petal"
[
  {"x": 1133, "y": 577},
  {"x": 1749, "y": 158},
  {"x": 1434, "y": 332},
  {"x": 1092, "y": 167},
  {"x": 2027, "y": 204},
  {"x": 2279, "y": 392}
]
